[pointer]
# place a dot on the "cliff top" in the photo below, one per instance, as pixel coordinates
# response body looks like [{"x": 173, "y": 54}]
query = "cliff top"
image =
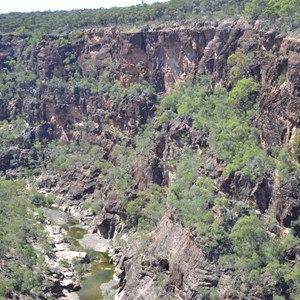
[{"x": 278, "y": 15}]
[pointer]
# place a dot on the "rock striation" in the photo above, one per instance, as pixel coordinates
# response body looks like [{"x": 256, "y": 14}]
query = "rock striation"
[{"x": 171, "y": 260}]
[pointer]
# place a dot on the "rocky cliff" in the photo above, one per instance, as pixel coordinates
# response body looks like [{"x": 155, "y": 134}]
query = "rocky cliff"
[
  {"x": 163, "y": 57},
  {"x": 172, "y": 262},
  {"x": 102, "y": 87}
]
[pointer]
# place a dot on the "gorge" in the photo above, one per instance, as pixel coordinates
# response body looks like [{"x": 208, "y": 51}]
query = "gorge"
[{"x": 179, "y": 143}]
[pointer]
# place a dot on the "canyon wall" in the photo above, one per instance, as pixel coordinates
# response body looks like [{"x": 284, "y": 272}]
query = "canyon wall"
[{"x": 56, "y": 107}]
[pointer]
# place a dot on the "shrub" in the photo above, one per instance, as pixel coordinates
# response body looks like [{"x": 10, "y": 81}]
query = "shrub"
[
  {"x": 6, "y": 286},
  {"x": 281, "y": 79},
  {"x": 94, "y": 205},
  {"x": 38, "y": 199},
  {"x": 147, "y": 208}
]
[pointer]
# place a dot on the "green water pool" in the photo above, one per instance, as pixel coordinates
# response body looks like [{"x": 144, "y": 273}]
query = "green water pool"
[{"x": 101, "y": 271}]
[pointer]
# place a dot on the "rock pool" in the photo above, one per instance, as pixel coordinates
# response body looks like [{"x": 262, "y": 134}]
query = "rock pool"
[{"x": 101, "y": 271}]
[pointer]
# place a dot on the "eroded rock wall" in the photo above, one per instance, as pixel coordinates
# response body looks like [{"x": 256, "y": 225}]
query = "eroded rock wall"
[{"x": 171, "y": 262}]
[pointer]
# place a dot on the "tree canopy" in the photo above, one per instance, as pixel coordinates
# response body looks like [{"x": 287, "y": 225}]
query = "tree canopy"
[{"x": 287, "y": 13}]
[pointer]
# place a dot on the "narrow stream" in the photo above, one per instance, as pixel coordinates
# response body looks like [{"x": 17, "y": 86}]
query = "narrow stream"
[{"x": 101, "y": 271}]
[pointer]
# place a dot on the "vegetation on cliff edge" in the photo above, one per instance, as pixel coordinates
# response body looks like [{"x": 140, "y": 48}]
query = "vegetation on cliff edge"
[{"x": 284, "y": 14}]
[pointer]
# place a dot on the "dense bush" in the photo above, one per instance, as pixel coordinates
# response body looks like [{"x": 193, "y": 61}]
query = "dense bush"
[
  {"x": 10, "y": 131},
  {"x": 24, "y": 269},
  {"x": 227, "y": 118},
  {"x": 147, "y": 208},
  {"x": 226, "y": 229},
  {"x": 261, "y": 261}
]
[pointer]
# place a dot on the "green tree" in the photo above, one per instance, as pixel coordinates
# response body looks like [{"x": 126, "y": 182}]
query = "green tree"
[
  {"x": 240, "y": 63},
  {"x": 248, "y": 235}
]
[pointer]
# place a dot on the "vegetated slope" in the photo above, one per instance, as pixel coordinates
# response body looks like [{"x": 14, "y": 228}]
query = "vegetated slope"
[
  {"x": 23, "y": 269},
  {"x": 189, "y": 132}
]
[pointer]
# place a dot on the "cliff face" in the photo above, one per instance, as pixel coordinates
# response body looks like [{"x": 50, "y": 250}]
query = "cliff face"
[
  {"x": 281, "y": 100},
  {"x": 161, "y": 57},
  {"x": 172, "y": 262},
  {"x": 59, "y": 107}
]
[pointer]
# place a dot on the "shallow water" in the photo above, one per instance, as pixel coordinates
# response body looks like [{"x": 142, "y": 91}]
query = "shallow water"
[
  {"x": 74, "y": 232},
  {"x": 101, "y": 270}
]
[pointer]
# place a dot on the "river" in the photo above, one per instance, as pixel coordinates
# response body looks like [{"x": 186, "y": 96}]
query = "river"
[{"x": 101, "y": 271}]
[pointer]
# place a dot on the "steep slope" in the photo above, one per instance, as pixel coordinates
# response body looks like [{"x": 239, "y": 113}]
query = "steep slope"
[{"x": 93, "y": 129}]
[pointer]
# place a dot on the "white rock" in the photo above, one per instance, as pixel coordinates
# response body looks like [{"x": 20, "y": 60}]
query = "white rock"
[
  {"x": 69, "y": 255},
  {"x": 94, "y": 241}
]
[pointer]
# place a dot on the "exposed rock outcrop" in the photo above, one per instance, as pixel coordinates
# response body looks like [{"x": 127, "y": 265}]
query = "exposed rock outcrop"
[{"x": 172, "y": 261}]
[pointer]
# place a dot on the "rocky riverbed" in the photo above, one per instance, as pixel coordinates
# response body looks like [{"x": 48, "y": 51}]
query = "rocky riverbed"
[{"x": 71, "y": 242}]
